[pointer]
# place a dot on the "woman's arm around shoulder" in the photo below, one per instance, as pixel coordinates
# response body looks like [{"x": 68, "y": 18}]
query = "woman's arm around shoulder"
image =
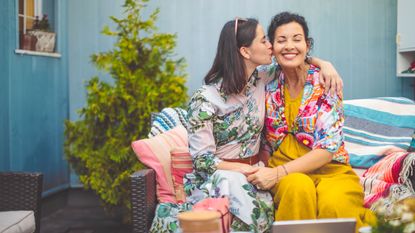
[{"x": 329, "y": 77}]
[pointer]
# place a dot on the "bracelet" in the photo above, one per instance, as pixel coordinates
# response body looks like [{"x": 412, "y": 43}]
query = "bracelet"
[{"x": 285, "y": 169}]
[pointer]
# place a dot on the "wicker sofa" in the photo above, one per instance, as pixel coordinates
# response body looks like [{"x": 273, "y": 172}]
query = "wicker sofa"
[
  {"x": 143, "y": 200},
  {"x": 143, "y": 183},
  {"x": 20, "y": 201}
]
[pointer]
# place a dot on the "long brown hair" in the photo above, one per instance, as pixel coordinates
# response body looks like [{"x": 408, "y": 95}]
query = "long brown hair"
[{"x": 229, "y": 63}]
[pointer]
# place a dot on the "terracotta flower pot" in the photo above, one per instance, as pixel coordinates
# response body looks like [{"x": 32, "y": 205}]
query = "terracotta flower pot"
[{"x": 28, "y": 42}]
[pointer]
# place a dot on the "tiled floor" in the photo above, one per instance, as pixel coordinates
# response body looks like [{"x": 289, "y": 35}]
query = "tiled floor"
[{"x": 82, "y": 213}]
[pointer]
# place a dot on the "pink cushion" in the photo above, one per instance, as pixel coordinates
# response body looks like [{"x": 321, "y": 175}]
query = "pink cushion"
[
  {"x": 181, "y": 164},
  {"x": 155, "y": 153}
]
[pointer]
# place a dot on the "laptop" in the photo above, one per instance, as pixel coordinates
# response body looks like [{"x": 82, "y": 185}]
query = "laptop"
[{"x": 335, "y": 225}]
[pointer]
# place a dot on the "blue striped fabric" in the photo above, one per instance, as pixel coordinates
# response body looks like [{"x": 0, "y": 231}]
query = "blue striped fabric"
[
  {"x": 167, "y": 119},
  {"x": 377, "y": 126}
]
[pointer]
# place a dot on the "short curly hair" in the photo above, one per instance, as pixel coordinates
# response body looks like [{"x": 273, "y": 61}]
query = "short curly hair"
[{"x": 285, "y": 18}]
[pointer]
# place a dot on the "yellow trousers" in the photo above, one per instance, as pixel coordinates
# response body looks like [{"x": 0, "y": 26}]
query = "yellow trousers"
[{"x": 332, "y": 191}]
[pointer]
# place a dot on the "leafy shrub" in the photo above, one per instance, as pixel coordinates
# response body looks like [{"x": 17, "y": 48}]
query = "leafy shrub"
[{"x": 146, "y": 78}]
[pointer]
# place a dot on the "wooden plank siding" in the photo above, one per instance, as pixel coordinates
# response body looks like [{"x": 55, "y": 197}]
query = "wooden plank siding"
[{"x": 34, "y": 100}]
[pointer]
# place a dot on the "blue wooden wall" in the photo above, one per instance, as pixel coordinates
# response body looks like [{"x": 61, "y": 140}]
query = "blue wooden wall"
[
  {"x": 358, "y": 37},
  {"x": 34, "y": 101},
  {"x": 6, "y": 11}
]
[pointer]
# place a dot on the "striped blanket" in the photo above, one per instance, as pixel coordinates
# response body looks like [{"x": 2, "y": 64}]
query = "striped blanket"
[
  {"x": 377, "y": 134},
  {"x": 377, "y": 127},
  {"x": 392, "y": 178}
]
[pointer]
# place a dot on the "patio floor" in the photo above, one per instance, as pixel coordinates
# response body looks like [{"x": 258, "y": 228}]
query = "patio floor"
[{"x": 78, "y": 211}]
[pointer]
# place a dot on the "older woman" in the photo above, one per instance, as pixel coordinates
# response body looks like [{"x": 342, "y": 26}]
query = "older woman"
[{"x": 308, "y": 172}]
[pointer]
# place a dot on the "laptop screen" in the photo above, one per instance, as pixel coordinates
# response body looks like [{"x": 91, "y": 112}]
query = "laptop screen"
[{"x": 338, "y": 225}]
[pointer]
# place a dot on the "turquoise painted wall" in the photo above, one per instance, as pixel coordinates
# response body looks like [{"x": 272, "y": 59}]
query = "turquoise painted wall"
[
  {"x": 36, "y": 98},
  {"x": 5, "y": 11},
  {"x": 86, "y": 40},
  {"x": 358, "y": 37}
]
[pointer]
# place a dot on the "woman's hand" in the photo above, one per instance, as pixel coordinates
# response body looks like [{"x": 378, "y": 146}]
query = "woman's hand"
[
  {"x": 330, "y": 79},
  {"x": 265, "y": 178},
  {"x": 247, "y": 169},
  {"x": 243, "y": 168}
]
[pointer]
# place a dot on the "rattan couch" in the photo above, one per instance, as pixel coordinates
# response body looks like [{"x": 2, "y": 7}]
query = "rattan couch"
[
  {"x": 143, "y": 200},
  {"x": 21, "y": 191}
]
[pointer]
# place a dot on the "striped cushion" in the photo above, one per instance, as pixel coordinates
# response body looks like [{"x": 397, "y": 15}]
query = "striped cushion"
[
  {"x": 155, "y": 153},
  {"x": 376, "y": 127},
  {"x": 167, "y": 119},
  {"x": 181, "y": 164}
]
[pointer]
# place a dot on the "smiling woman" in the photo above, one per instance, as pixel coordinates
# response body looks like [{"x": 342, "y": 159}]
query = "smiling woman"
[
  {"x": 309, "y": 168},
  {"x": 291, "y": 45}
]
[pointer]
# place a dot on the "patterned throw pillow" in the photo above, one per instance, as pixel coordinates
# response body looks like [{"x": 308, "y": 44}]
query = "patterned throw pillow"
[
  {"x": 376, "y": 127},
  {"x": 155, "y": 153},
  {"x": 167, "y": 119}
]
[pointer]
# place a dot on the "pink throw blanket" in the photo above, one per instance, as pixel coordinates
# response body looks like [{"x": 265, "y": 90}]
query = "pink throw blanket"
[{"x": 389, "y": 178}]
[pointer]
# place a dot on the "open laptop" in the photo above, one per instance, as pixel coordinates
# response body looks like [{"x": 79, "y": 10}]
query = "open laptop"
[{"x": 335, "y": 225}]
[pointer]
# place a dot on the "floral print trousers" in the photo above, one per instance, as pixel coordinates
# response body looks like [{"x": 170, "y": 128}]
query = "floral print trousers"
[{"x": 253, "y": 210}]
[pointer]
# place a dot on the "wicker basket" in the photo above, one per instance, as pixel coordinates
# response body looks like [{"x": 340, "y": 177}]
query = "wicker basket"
[{"x": 45, "y": 40}]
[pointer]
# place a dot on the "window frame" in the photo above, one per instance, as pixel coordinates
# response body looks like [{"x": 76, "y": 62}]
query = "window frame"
[
  {"x": 38, "y": 12},
  {"x": 37, "y": 5}
]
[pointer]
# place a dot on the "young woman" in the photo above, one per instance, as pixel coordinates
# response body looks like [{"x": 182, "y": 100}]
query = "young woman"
[
  {"x": 226, "y": 118},
  {"x": 309, "y": 174}
]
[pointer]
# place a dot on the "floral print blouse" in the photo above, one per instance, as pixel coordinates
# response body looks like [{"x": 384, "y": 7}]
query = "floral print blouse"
[
  {"x": 319, "y": 122},
  {"x": 225, "y": 127}
]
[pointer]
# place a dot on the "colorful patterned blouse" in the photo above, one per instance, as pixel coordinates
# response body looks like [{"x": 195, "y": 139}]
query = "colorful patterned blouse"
[
  {"x": 320, "y": 118},
  {"x": 225, "y": 127}
]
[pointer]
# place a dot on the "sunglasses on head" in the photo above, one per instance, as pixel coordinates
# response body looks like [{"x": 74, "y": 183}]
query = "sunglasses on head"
[{"x": 237, "y": 19}]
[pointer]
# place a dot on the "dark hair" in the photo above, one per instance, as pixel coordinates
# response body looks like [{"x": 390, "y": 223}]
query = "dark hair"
[
  {"x": 285, "y": 18},
  {"x": 229, "y": 63}
]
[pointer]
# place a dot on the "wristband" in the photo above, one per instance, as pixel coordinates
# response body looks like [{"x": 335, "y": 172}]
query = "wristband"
[{"x": 285, "y": 169}]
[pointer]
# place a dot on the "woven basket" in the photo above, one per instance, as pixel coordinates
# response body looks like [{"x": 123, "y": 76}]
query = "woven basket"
[{"x": 45, "y": 40}]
